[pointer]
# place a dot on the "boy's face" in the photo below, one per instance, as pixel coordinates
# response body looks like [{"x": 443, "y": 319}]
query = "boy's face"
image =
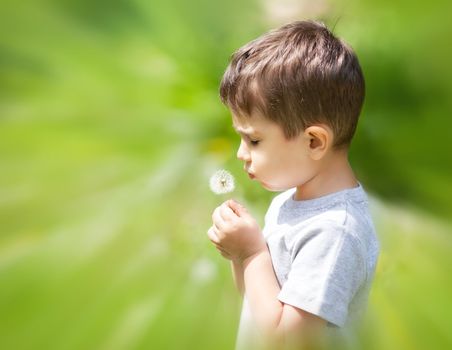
[{"x": 277, "y": 163}]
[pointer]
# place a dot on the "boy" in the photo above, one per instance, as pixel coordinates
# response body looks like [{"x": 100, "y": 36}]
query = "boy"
[{"x": 295, "y": 95}]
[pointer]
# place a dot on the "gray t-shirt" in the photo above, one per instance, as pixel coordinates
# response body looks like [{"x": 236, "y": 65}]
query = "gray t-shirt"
[{"x": 324, "y": 253}]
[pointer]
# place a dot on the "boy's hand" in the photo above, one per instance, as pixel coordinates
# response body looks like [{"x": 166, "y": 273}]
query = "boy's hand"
[{"x": 235, "y": 233}]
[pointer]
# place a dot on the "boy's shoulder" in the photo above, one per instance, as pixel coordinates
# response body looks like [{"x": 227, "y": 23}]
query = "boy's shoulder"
[{"x": 345, "y": 210}]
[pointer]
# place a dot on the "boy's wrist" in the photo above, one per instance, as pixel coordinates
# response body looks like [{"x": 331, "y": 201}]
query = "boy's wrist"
[{"x": 245, "y": 261}]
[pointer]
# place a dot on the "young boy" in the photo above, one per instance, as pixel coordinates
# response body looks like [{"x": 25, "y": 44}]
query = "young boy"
[{"x": 295, "y": 95}]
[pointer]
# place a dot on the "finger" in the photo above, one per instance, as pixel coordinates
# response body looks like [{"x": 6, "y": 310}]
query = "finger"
[
  {"x": 217, "y": 219},
  {"x": 237, "y": 208},
  {"x": 226, "y": 212},
  {"x": 218, "y": 246},
  {"x": 213, "y": 236},
  {"x": 221, "y": 250},
  {"x": 223, "y": 253}
]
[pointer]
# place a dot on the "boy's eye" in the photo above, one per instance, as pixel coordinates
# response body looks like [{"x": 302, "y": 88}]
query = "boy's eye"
[{"x": 250, "y": 141}]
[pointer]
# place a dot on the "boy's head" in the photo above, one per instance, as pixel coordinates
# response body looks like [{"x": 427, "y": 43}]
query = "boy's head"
[{"x": 297, "y": 76}]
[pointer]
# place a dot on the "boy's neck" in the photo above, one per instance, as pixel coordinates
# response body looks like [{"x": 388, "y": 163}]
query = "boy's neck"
[{"x": 334, "y": 174}]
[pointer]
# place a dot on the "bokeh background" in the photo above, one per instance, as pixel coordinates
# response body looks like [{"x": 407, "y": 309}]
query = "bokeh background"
[{"x": 110, "y": 126}]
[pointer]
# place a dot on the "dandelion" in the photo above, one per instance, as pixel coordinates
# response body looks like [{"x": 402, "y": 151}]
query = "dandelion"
[{"x": 222, "y": 182}]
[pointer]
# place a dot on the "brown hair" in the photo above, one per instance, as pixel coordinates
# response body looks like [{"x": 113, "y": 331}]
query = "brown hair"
[{"x": 297, "y": 76}]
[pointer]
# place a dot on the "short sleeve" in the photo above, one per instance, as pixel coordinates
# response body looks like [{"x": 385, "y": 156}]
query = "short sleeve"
[{"x": 326, "y": 271}]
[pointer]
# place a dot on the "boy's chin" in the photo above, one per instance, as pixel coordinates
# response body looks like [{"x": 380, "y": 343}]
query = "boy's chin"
[{"x": 273, "y": 188}]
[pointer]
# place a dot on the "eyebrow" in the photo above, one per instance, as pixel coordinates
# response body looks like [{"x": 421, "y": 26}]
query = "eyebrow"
[{"x": 243, "y": 132}]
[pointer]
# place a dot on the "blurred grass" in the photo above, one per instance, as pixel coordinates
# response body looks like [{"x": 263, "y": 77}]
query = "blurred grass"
[{"x": 110, "y": 126}]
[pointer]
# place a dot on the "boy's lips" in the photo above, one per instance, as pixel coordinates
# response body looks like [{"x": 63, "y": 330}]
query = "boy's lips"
[{"x": 250, "y": 174}]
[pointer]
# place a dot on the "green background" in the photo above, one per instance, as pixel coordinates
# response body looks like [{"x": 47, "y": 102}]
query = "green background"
[{"x": 111, "y": 125}]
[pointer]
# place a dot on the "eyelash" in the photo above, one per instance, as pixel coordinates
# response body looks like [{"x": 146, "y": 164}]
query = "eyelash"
[{"x": 248, "y": 140}]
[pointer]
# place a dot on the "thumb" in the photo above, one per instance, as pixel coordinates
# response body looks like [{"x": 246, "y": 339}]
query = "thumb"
[{"x": 237, "y": 208}]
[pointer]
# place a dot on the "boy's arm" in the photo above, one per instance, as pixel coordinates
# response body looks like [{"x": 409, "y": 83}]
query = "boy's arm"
[
  {"x": 237, "y": 274},
  {"x": 239, "y": 238},
  {"x": 284, "y": 322}
]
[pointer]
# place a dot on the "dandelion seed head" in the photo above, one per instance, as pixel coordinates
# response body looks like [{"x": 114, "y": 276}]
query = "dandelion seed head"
[{"x": 222, "y": 182}]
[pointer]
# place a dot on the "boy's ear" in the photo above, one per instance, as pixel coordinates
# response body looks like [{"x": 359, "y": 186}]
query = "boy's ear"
[{"x": 320, "y": 138}]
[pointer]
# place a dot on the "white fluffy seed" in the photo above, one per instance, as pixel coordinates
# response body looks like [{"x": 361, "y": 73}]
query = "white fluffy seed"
[{"x": 222, "y": 182}]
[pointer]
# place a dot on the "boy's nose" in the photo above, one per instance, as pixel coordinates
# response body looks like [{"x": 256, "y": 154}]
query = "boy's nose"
[{"x": 243, "y": 153}]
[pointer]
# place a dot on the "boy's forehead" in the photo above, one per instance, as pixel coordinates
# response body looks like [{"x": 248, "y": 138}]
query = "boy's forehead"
[
  {"x": 256, "y": 126},
  {"x": 243, "y": 125},
  {"x": 240, "y": 124},
  {"x": 254, "y": 123},
  {"x": 251, "y": 122}
]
